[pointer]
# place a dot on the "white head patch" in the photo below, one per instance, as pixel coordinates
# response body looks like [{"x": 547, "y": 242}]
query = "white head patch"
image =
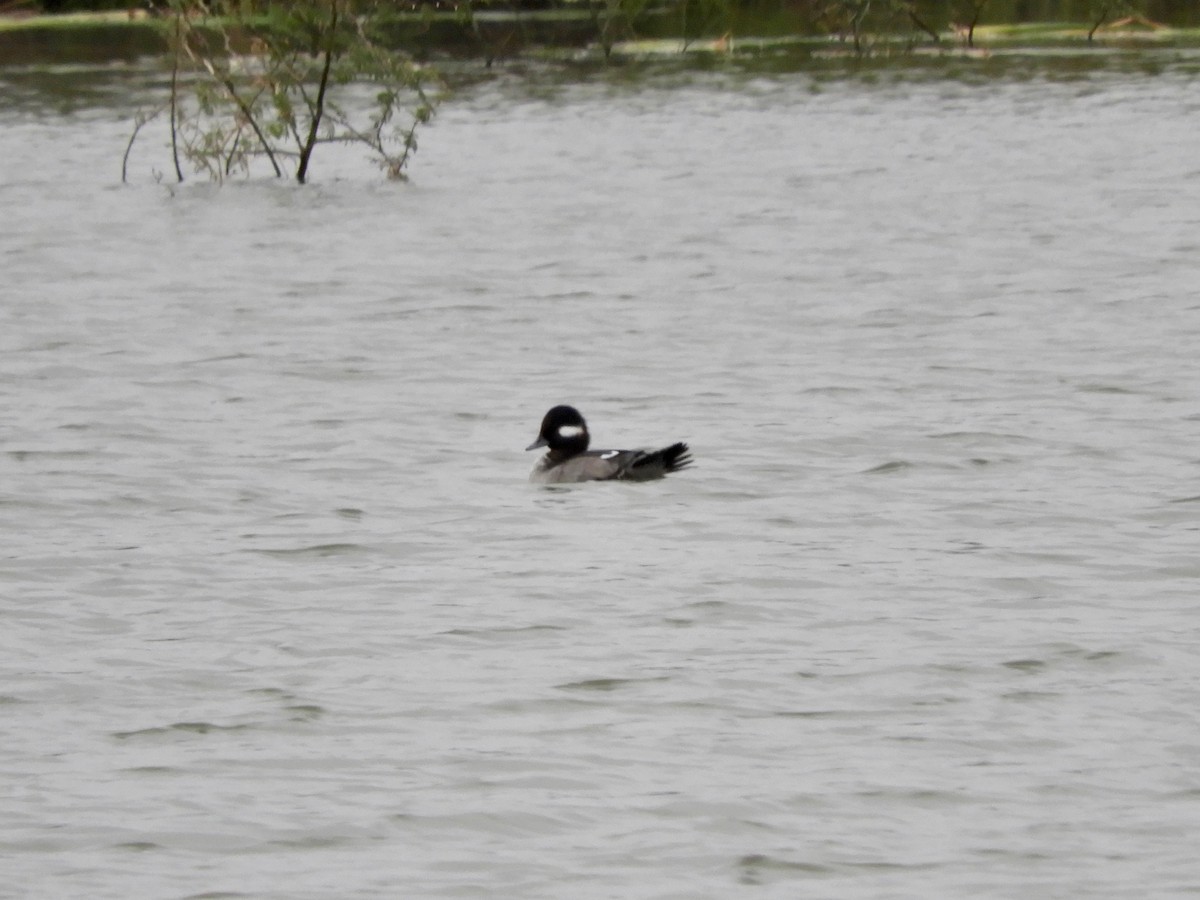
[
  {"x": 569, "y": 431},
  {"x": 610, "y": 454}
]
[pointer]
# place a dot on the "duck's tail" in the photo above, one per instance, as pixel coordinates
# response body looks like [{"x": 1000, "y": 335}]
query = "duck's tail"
[{"x": 657, "y": 463}]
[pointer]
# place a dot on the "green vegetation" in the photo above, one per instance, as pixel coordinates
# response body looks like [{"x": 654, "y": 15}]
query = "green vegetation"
[
  {"x": 265, "y": 83},
  {"x": 496, "y": 29},
  {"x": 261, "y": 85}
]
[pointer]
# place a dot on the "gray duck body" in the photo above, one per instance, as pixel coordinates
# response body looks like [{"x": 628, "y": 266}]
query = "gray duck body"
[{"x": 569, "y": 461}]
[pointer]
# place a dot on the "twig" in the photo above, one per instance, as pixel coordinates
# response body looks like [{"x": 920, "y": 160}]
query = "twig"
[
  {"x": 175, "y": 96},
  {"x": 138, "y": 124},
  {"x": 226, "y": 82}
]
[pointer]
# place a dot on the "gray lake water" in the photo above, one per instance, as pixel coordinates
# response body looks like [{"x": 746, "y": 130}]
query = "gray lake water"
[{"x": 282, "y": 617}]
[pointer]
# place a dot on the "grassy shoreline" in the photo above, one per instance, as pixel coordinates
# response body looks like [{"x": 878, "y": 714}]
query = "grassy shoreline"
[{"x": 118, "y": 36}]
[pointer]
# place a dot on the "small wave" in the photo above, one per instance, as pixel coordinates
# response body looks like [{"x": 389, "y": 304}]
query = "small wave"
[
  {"x": 605, "y": 684},
  {"x": 318, "y": 550},
  {"x": 186, "y": 727},
  {"x": 756, "y": 868},
  {"x": 896, "y": 465}
]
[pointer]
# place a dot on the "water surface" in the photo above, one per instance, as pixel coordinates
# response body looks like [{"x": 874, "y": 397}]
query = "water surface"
[{"x": 282, "y": 617}]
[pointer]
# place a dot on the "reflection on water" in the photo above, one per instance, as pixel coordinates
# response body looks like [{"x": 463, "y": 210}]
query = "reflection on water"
[{"x": 283, "y": 617}]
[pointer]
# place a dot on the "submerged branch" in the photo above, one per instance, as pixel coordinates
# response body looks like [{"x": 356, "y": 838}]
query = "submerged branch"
[
  {"x": 317, "y": 107},
  {"x": 224, "y": 79},
  {"x": 242, "y": 87},
  {"x": 175, "y": 97},
  {"x": 140, "y": 122}
]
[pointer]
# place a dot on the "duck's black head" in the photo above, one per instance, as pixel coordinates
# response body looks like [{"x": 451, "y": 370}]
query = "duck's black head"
[{"x": 563, "y": 431}]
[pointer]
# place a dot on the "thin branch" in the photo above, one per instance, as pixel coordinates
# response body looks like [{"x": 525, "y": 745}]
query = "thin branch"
[
  {"x": 319, "y": 106},
  {"x": 233, "y": 149},
  {"x": 226, "y": 82},
  {"x": 911, "y": 10},
  {"x": 1105, "y": 8},
  {"x": 976, "y": 15},
  {"x": 175, "y": 96},
  {"x": 245, "y": 110},
  {"x": 293, "y": 125},
  {"x": 139, "y": 123}
]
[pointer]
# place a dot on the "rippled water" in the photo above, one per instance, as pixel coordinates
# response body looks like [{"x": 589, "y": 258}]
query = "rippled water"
[{"x": 282, "y": 617}]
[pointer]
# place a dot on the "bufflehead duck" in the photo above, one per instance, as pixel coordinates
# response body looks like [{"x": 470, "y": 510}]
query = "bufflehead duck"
[{"x": 569, "y": 460}]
